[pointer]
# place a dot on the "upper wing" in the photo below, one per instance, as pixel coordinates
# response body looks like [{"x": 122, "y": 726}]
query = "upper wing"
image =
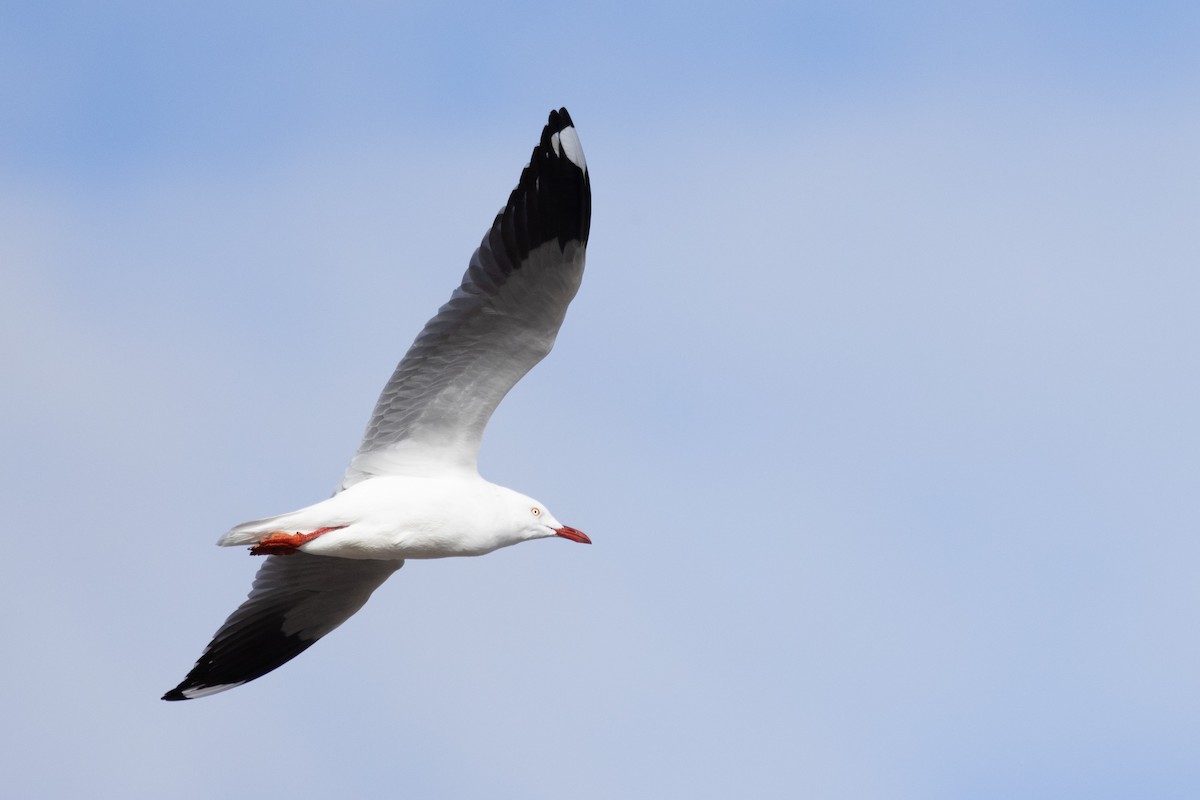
[
  {"x": 500, "y": 322},
  {"x": 295, "y": 600}
]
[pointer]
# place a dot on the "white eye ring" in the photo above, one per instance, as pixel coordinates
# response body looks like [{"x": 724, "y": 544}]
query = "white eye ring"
[{"x": 537, "y": 512}]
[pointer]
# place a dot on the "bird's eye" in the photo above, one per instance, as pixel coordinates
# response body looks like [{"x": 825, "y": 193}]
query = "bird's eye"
[{"x": 537, "y": 512}]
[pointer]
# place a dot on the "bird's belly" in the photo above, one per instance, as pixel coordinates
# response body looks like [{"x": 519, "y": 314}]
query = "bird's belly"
[{"x": 363, "y": 542}]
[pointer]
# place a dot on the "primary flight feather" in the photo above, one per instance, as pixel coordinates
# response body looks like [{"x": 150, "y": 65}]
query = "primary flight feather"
[{"x": 413, "y": 490}]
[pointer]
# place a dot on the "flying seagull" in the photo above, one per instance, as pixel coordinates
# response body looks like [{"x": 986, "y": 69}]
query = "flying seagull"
[{"x": 413, "y": 490}]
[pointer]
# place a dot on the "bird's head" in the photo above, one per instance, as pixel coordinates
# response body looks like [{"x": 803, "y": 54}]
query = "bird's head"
[{"x": 536, "y": 522}]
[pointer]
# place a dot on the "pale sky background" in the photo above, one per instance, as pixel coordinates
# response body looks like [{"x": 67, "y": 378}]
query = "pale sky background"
[{"x": 879, "y": 399}]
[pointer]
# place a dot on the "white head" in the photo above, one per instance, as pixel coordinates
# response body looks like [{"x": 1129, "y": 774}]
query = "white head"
[{"x": 535, "y": 522}]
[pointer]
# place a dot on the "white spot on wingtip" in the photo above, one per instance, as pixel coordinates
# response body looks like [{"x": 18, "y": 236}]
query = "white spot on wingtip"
[
  {"x": 205, "y": 691},
  {"x": 570, "y": 147},
  {"x": 573, "y": 148}
]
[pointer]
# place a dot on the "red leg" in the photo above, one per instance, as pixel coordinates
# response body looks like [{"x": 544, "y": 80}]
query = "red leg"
[{"x": 279, "y": 543}]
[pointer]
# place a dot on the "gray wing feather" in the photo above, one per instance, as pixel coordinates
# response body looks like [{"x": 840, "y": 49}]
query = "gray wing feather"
[{"x": 497, "y": 325}]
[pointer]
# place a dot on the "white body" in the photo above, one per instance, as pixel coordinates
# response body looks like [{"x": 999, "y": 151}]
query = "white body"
[{"x": 395, "y": 517}]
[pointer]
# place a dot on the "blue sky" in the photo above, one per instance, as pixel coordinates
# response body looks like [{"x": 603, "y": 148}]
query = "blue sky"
[{"x": 878, "y": 399}]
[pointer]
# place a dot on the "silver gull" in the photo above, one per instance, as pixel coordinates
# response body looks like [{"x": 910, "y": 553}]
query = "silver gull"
[{"x": 413, "y": 490}]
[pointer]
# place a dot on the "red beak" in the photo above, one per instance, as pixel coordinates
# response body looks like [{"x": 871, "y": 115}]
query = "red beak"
[{"x": 573, "y": 535}]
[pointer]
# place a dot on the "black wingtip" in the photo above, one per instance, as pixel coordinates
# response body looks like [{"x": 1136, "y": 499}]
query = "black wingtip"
[
  {"x": 553, "y": 198},
  {"x": 250, "y": 650},
  {"x": 559, "y": 120}
]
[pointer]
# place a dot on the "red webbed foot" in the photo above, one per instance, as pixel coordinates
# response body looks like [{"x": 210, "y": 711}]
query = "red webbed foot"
[{"x": 279, "y": 543}]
